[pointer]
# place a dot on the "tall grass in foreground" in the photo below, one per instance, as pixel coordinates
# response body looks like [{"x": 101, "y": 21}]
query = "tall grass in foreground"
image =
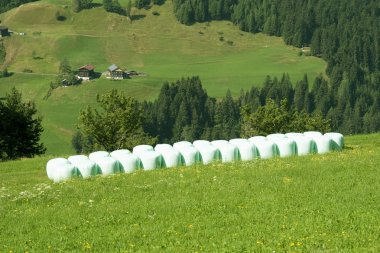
[{"x": 303, "y": 204}]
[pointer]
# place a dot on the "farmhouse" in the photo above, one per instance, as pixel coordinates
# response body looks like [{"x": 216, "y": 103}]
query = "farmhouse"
[
  {"x": 4, "y": 31},
  {"x": 114, "y": 72},
  {"x": 86, "y": 72}
]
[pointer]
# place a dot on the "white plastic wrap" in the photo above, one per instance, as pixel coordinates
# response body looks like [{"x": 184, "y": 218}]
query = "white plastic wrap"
[
  {"x": 294, "y": 135},
  {"x": 76, "y": 158},
  {"x": 265, "y": 148},
  {"x": 228, "y": 151},
  {"x": 120, "y": 153},
  {"x": 98, "y": 154},
  {"x": 182, "y": 144},
  {"x": 142, "y": 148},
  {"x": 107, "y": 165},
  {"x": 323, "y": 144},
  {"x": 60, "y": 169},
  {"x": 338, "y": 140},
  {"x": 150, "y": 160},
  {"x": 274, "y": 137},
  {"x": 128, "y": 163},
  {"x": 171, "y": 157},
  {"x": 285, "y": 146},
  {"x": 208, "y": 152},
  {"x": 247, "y": 149},
  {"x": 86, "y": 167},
  {"x": 312, "y": 134},
  {"x": 189, "y": 154},
  {"x": 305, "y": 145}
]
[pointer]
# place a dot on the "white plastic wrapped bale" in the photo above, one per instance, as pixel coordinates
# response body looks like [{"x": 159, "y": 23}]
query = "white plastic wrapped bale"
[
  {"x": 312, "y": 134},
  {"x": 159, "y": 147},
  {"x": 294, "y": 135},
  {"x": 305, "y": 145},
  {"x": 285, "y": 147},
  {"x": 338, "y": 140},
  {"x": 323, "y": 144},
  {"x": 86, "y": 167},
  {"x": 265, "y": 148},
  {"x": 274, "y": 137},
  {"x": 107, "y": 165},
  {"x": 98, "y": 154},
  {"x": 150, "y": 160},
  {"x": 247, "y": 150},
  {"x": 59, "y": 169},
  {"x": 76, "y": 158},
  {"x": 189, "y": 154},
  {"x": 120, "y": 153},
  {"x": 170, "y": 156},
  {"x": 142, "y": 148},
  {"x": 218, "y": 143},
  {"x": 254, "y": 138},
  {"x": 182, "y": 144},
  {"x": 208, "y": 153},
  {"x": 199, "y": 143},
  {"x": 228, "y": 151},
  {"x": 128, "y": 162}
]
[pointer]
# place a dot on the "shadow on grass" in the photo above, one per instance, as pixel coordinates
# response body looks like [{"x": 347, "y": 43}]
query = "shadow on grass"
[{"x": 137, "y": 17}]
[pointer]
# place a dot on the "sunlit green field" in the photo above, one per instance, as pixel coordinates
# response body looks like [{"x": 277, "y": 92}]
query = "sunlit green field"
[
  {"x": 158, "y": 46},
  {"x": 317, "y": 203}
]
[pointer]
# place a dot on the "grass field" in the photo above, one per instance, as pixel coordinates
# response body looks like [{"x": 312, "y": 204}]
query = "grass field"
[
  {"x": 156, "y": 45},
  {"x": 317, "y": 203}
]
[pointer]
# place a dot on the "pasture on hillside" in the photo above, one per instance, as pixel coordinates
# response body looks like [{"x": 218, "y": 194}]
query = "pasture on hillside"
[
  {"x": 156, "y": 45},
  {"x": 313, "y": 203}
]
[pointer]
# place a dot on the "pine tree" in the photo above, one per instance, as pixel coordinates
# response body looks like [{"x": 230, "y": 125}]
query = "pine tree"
[{"x": 20, "y": 129}]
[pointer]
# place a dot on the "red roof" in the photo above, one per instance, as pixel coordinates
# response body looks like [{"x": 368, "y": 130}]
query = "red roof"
[{"x": 88, "y": 67}]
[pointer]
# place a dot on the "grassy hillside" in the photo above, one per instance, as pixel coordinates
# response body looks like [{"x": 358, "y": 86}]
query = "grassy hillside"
[
  {"x": 156, "y": 45},
  {"x": 315, "y": 203}
]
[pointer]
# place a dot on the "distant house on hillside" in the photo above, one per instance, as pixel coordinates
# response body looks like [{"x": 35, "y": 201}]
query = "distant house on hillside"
[
  {"x": 86, "y": 72},
  {"x": 4, "y": 31},
  {"x": 114, "y": 72}
]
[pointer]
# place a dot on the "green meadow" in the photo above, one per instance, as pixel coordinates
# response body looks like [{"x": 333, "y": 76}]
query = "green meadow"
[
  {"x": 222, "y": 55},
  {"x": 315, "y": 203}
]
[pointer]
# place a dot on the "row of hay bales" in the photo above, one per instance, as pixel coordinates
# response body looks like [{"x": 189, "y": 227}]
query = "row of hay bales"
[{"x": 185, "y": 153}]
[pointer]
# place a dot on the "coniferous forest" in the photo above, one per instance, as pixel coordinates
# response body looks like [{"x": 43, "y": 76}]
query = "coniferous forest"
[
  {"x": 6, "y": 5},
  {"x": 345, "y": 33}
]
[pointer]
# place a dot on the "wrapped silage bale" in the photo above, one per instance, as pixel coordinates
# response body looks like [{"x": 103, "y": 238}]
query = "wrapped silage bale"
[
  {"x": 323, "y": 144},
  {"x": 247, "y": 149},
  {"x": 294, "y": 135},
  {"x": 107, "y": 165},
  {"x": 119, "y": 153},
  {"x": 228, "y": 151},
  {"x": 98, "y": 154},
  {"x": 128, "y": 162},
  {"x": 217, "y": 143},
  {"x": 313, "y": 134},
  {"x": 170, "y": 156},
  {"x": 159, "y": 147},
  {"x": 59, "y": 169},
  {"x": 201, "y": 143},
  {"x": 86, "y": 167},
  {"x": 150, "y": 159},
  {"x": 285, "y": 147},
  {"x": 76, "y": 158},
  {"x": 208, "y": 152},
  {"x": 305, "y": 145},
  {"x": 264, "y": 147},
  {"x": 181, "y": 144},
  {"x": 338, "y": 140},
  {"x": 273, "y": 137},
  {"x": 142, "y": 148},
  {"x": 189, "y": 153},
  {"x": 254, "y": 138}
]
